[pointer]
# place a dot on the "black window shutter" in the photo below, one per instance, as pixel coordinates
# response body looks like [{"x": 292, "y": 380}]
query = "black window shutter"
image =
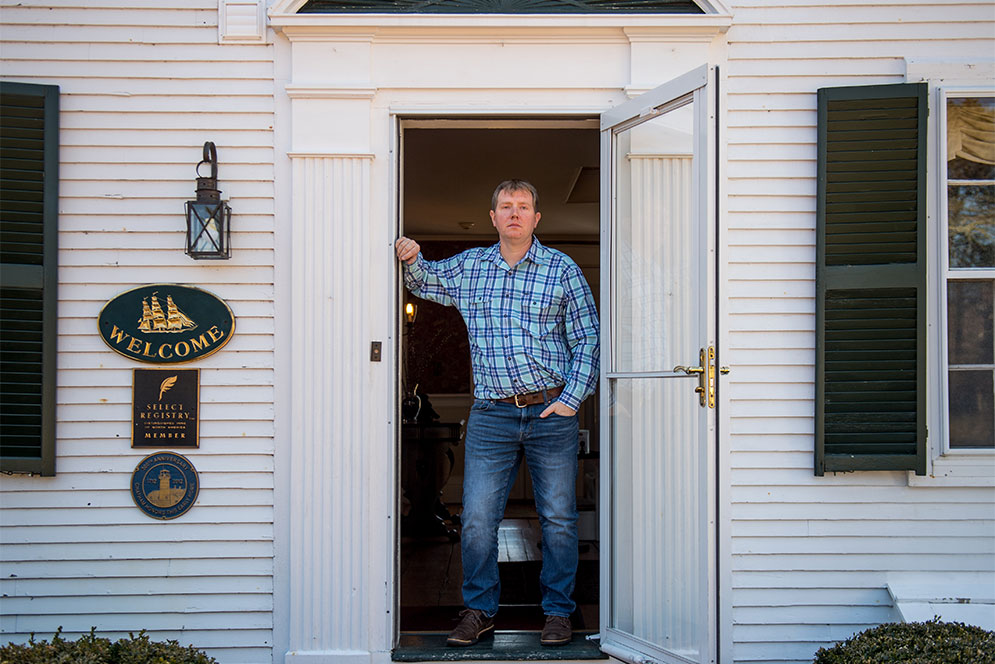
[
  {"x": 870, "y": 355},
  {"x": 29, "y": 196}
]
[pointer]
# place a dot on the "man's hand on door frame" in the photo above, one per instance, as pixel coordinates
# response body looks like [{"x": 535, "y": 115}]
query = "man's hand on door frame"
[{"x": 407, "y": 249}]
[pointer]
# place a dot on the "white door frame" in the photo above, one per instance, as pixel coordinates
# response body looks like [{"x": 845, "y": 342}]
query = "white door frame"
[
  {"x": 441, "y": 117},
  {"x": 332, "y": 602}
]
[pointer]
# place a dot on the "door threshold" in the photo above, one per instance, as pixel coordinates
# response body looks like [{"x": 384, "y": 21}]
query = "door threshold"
[{"x": 503, "y": 645}]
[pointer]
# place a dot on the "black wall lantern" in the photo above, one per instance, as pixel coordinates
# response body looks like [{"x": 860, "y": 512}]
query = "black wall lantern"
[{"x": 208, "y": 217}]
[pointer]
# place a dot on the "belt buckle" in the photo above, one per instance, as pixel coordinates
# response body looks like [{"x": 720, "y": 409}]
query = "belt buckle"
[{"x": 520, "y": 405}]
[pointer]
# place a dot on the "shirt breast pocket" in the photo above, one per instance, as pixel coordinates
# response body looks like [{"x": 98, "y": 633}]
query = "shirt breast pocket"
[
  {"x": 538, "y": 317},
  {"x": 478, "y": 310}
]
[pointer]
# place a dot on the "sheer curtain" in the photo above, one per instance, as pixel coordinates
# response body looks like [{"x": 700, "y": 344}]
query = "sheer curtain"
[{"x": 971, "y": 133}]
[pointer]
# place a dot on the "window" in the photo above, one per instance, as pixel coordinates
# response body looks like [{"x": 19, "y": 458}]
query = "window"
[
  {"x": 967, "y": 209},
  {"x": 873, "y": 258},
  {"x": 29, "y": 151}
]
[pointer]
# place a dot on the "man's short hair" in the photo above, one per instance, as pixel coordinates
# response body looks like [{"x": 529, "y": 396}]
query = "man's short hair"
[{"x": 512, "y": 186}]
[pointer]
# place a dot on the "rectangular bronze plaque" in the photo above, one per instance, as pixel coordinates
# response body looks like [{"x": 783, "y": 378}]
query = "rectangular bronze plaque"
[{"x": 165, "y": 408}]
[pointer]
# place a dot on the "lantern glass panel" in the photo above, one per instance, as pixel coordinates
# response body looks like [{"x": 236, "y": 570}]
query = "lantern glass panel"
[{"x": 206, "y": 224}]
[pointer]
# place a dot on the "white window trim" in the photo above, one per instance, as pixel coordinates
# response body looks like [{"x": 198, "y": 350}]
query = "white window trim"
[{"x": 945, "y": 466}]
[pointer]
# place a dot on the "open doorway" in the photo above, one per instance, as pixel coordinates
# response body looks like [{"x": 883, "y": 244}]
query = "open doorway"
[{"x": 448, "y": 169}]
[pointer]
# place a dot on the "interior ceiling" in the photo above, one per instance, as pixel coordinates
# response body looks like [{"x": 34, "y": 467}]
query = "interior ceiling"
[{"x": 450, "y": 174}]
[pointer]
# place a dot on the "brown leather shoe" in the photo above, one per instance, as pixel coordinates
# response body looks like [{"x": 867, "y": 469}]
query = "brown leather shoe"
[
  {"x": 557, "y": 631},
  {"x": 473, "y": 625}
]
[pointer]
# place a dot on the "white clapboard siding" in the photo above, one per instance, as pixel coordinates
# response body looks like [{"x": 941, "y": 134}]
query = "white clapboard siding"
[
  {"x": 810, "y": 556},
  {"x": 143, "y": 86}
]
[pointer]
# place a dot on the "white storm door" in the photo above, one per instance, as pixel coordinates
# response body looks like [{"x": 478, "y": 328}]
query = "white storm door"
[{"x": 657, "y": 401}]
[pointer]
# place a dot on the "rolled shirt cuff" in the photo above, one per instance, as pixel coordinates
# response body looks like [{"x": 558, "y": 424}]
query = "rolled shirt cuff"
[
  {"x": 569, "y": 400},
  {"x": 416, "y": 272}
]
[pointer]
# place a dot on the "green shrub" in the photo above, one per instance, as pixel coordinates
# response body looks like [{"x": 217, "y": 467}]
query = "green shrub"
[
  {"x": 91, "y": 649},
  {"x": 931, "y": 642}
]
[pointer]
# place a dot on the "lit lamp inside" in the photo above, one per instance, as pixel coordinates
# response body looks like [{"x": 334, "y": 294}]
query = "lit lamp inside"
[
  {"x": 410, "y": 312},
  {"x": 208, "y": 217}
]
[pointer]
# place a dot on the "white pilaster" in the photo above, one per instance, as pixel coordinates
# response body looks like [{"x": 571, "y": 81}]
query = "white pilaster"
[{"x": 330, "y": 370}]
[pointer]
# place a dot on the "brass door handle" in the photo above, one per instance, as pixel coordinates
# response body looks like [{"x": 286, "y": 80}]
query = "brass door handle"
[
  {"x": 701, "y": 372},
  {"x": 706, "y": 376}
]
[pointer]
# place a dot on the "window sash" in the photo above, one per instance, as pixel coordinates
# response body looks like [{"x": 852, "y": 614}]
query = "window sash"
[{"x": 952, "y": 273}]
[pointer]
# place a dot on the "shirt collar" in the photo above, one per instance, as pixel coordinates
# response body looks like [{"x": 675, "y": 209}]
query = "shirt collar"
[{"x": 537, "y": 253}]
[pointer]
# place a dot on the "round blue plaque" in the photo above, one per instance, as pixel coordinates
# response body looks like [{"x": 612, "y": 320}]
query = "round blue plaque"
[{"x": 165, "y": 485}]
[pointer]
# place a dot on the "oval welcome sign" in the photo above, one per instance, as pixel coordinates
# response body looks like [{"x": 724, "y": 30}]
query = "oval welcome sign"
[{"x": 166, "y": 323}]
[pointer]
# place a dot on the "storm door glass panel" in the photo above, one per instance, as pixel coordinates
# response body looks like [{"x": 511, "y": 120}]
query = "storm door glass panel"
[
  {"x": 655, "y": 244},
  {"x": 658, "y": 589}
]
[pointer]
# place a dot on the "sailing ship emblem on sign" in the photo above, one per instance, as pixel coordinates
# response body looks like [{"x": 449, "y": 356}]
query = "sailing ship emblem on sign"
[
  {"x": 154, "y": 321},
  {"x": 166, "y": 323}
]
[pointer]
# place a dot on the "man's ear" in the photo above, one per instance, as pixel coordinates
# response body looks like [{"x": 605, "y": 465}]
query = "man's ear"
[
  {"x": 538, "y": 216},
  {"x": 492, "y": 219}
]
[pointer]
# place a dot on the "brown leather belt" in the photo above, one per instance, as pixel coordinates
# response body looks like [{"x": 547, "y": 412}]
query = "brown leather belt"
[{"x": 542, "y": 396}]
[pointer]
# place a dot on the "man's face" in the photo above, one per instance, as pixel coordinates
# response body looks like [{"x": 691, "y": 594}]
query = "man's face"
[{"x": 515, "y": 217}]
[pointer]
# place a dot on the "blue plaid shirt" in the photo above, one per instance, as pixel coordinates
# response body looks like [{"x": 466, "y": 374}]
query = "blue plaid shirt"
[{"x": 532, "y": 326}]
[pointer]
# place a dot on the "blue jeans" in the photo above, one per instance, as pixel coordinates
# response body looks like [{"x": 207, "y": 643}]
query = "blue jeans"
[{"x": 498, "y": 435}]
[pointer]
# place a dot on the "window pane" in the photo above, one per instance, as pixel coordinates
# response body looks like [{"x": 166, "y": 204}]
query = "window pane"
[
  {"x": 972, "y": 409},
  {"x": 965, "y": 169},
  {"x": 969, "y": 322},
  {"x": 970, "y": 126},
  {"x": 971, "y": 225},
  {"x": 654, "y": 280}
]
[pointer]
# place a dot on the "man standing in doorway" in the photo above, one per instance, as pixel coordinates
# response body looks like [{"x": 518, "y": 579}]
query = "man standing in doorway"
[{"x": 534, "y": 350}]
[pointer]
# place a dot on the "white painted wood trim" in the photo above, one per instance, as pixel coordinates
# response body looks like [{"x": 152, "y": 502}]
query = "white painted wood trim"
[
  {"x": 286, "y": 7},
  {"x": 328, "y": 657},
  {"x": 677, "y": 23},
  {"x": 961, "y": 597},
  {"x": 490, "y": 123},
  {"x": 474, "y": 110},
  {"x": 330, "y": 155},
  {"x": 327, "y": 450},
  {"x": 282, "y": 357},
  {"x": 945, "y": 466},
  {"x": 283, "y": 8},
  {"x": 330, "y": 91},
  {"x": 723, "y": 420}
]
